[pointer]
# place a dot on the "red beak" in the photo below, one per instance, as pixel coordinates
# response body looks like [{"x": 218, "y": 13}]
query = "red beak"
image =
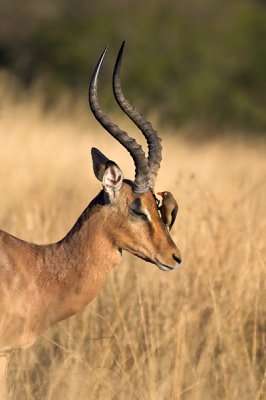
[{"x": 160, "y": 193}]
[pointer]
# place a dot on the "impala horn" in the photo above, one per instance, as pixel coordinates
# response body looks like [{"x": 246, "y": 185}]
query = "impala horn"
[{"x": 145, "y": 169}]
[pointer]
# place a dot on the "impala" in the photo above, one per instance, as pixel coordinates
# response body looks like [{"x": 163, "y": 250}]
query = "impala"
[{"x": 41, "y": 285}]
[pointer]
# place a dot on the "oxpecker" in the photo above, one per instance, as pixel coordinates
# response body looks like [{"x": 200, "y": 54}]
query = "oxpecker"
[{"x": 168, "y": 209}]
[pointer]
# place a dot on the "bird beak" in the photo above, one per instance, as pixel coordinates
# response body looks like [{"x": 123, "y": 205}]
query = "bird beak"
[{"x": 160, "y": 193}]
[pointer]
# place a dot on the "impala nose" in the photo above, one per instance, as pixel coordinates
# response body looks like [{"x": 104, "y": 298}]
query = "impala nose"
[{"x": 177, "y": 259}]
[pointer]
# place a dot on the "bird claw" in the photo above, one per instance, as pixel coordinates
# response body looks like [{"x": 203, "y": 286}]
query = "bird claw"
[{"x": 157, "y": 201}]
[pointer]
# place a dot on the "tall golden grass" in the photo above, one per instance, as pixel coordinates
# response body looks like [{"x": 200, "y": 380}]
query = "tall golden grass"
[{"x": 196, "y": 333}]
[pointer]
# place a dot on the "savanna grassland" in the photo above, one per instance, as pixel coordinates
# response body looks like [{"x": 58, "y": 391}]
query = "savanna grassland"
[{"x": 196, "y": 333}]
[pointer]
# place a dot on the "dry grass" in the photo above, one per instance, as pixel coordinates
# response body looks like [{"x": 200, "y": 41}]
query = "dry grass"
[{"x": 197, "y": 333}]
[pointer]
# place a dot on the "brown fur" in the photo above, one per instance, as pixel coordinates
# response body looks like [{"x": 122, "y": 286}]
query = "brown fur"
[{"x": 41, "y": 285}]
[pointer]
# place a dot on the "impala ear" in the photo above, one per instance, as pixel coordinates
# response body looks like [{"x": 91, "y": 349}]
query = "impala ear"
[
  {"x": 107, "y": 172},
  {"x": 99, "y": 162},
  {"x": 112, "y": 179}
]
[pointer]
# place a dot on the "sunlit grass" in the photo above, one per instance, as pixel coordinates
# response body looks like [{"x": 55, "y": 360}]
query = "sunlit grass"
[{"x": 196, "y": 333}]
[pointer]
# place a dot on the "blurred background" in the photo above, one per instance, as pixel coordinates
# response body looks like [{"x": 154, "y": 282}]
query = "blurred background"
[
  {"x": 197, "y": 70},
  {"x": 197, "y": 64}
]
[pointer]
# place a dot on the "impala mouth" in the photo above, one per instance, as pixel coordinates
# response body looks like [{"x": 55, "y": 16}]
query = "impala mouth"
[
  {"x": 165, "y": 267},
  {"x": 159, "y": 264}
]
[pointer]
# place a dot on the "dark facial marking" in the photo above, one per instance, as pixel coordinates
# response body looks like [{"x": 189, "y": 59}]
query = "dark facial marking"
[{"x": 136, "y": 204}]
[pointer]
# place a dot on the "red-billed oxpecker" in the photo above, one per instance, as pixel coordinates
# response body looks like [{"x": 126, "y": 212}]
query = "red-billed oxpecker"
[{"x": 168, "y": 209}]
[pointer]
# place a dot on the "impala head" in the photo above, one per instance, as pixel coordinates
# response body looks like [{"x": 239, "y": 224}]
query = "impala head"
[{"x": 134, "y": 222}]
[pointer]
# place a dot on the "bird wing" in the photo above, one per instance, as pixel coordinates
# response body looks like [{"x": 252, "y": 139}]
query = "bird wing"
[{"x": 173, "y": 214}]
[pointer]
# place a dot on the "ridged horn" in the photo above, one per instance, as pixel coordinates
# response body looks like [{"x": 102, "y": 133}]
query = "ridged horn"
[
  {"x": 154, "y": 142},
  {"x": 141, "y": 182}
]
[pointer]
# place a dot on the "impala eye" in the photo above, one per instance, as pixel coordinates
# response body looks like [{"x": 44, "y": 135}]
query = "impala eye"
[{"x": 139, "y": 213}]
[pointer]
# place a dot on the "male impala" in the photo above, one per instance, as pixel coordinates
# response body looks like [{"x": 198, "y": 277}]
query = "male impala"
[{"x": 43, "y": 284}]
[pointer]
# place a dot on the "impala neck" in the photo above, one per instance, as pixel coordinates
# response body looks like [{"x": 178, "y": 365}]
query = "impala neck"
[{"x": 84, "y": 257}]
